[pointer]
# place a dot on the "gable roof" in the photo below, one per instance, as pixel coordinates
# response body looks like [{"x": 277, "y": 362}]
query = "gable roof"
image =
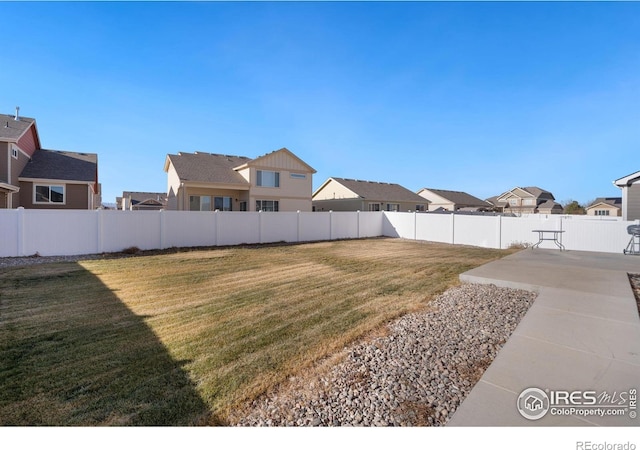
[
  {"x": 142, "y": 197},
  {"x": 534, "y": 191},
  {"x": 208, "y": 167},
  {"x": 11, "y": 130},
  {"x": 550, "y": 204},
  {"x": 268, "y": 158},
  {"x": 374, "y": 190},
  {"x": 611, "y": 201},
  {"x": 61, "y": 165},
  {"x": 628, "y": 180},
  {"x": 458, "y": 197}
]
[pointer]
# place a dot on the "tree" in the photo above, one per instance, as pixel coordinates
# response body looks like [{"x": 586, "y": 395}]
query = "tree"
[{"x": 573, "y": 207}]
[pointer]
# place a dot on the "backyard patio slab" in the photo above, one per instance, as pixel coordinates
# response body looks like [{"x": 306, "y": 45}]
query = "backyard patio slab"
[{"x": 581, "y": 334}]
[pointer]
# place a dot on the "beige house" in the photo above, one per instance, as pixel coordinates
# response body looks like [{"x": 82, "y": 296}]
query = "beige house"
[
  {"x": 440, "y": 199},
  {"x": 32, "y": 177},
  {"x": 277, "y": 181},
  {"x": 605, "y": 206},
  {"x": 141, "y": 201},
  {"x": 526, "y": 200},
  {"x": 343, "y": 194},
  {"x": 630, "y": 186}
]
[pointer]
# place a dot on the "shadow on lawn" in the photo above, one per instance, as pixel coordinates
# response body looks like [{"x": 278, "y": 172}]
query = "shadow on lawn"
[{"x": 71, "y": 353}]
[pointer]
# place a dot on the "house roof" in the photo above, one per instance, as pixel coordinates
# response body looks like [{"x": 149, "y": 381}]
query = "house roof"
[
  {"x": 549, "y": 204},
  {"x": 61, "y": 165},
  {"x": 374, "y": 190},
  {"x": 140, "y": 197},
  {"x": 263, "y": 158},
  {"x": 208, "y": 167},
  {"x": 611, "y": 201},
  {"x": 628, "y": 180},
  {"x": 458, "y": 197},
  {"x": 11, "y": 130},
  {"x": 534, "y": 191}
]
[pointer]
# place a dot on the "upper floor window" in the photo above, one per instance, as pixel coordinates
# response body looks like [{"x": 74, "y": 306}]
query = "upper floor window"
[
  {"x": 528, "y": 201},
  {"x": 48, "y": 194},
  {"x": 268, "y": 178},
  {"x": 298, "y": 176},
  {"x": 14, "y": 151},
  {"x": 513, "y": 201}
]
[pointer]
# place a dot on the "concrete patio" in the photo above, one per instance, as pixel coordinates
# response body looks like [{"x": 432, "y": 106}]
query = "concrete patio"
[{"x": 581, "y": 334}]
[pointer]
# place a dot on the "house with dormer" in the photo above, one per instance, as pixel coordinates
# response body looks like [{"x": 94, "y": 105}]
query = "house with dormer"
[
  {"x": 33, "y": 177},
  {"x": 526, "y": 200},
  {"x": 277, "y": 181}
]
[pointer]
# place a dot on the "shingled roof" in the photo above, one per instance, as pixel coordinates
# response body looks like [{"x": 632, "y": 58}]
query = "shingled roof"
[
  {"x": 60, "y": 165},
  {"x": 373, "y": 190},
  {"x": 209, "y": 167},
  {"x": 11, "y": 130},
  {"x": 459, "y": 197},
  {"x": 613, "y": 201}
]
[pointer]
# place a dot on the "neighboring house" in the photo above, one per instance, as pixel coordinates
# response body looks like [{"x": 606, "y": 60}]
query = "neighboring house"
[
  {"x": 440, "y": 199},
  {"x": 277, "y": 181},
  {"x": 527, "y": 200},
  {"x": 630, "y": 186},
  {"x": 33, "y": 177},
  {"x": 605, "y": 206},
  {"x": 141, "y": 201},
  {"x": 343, "y": 194}
]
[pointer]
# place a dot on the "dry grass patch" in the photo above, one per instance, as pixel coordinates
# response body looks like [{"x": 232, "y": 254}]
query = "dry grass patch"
[{"x": 185, "y": 338}]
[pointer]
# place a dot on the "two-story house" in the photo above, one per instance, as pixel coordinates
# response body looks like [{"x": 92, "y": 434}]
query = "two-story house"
[
  {"x": 277, "y": 181},
  {"x": 33, "y": 177},
  {"x": 526, "y": 200}
]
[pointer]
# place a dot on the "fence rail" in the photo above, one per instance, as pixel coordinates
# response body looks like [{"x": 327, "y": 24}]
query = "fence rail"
[{"x": 25, "y": 232}]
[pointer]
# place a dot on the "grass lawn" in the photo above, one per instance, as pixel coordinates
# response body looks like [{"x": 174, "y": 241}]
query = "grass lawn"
[{"x": 183, "y": 338}]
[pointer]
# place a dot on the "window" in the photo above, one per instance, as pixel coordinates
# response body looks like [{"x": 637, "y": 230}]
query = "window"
[
  {"x": 48, "y": 194},
  {"x": 513, "y": 201},
  {"x": 602, "y": 212},
  {"x": 14, "y": 151},
  {"x": 243, "y": 206},
  {"x": 267, "y": 205},
  {"x": 222, "y": 203},
  {"x": 298, "y": 176},
  {"x": 374, "y": 206},
  {"x": 419, "y": 207},
  {"x": 393, "y": 206},
  {"x": 267, "y": 178},
  {"x": 199, "y": 203},
  {"x": 528, "y": 201}
]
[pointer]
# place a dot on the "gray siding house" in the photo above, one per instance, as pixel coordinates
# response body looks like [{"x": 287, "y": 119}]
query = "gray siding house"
[{"x": 630, "y": 186}]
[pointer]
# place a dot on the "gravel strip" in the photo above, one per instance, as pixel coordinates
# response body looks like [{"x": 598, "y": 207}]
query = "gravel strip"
[
  {"x": 417, "y": 375},
  {"x": 19, "y": 261}
]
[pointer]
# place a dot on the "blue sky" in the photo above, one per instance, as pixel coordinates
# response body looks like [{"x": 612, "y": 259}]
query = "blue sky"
[{"x": 479, "y": 97}]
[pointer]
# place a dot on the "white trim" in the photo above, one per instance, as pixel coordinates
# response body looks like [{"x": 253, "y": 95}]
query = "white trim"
[{"x": 49, "y": 185}]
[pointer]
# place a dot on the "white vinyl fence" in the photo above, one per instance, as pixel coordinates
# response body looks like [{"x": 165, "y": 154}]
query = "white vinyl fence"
[{"x": 25, "y": 232}]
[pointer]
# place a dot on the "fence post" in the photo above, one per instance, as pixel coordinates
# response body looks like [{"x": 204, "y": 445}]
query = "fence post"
[
  {"x": 20, "y": 219},
  {"x": 358, "y": 224},
  {"x": 162, "y": 230},
  {"x": 260, "y": 227},
  {"x": 330, "y": 225},
  {"x": 499, "y": 229},
  {"x": 298, "y": 227},
  {"x": 415, "y": 225},
  {"x": 453, "y": 228},
  {"x": 216, "y": 226},
  {"x": 100, "y": 231}
]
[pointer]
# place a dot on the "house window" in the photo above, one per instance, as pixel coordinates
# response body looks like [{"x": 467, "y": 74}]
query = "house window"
[
  {"x": 419, "y": 207},
  {"x": 267, "y": 205},
  {"x": 268, "y": 178},
  {"x": 528, "y": 201},
  {"x": 14, "y": 151},
  {"x": 393, "y": 206},
  {"x": 513, "y": 201},
  {"x": 199, "y": 203},
  {"x": 243, "y": 206},
  {"x": 602, "y": 212},
  {"x": 222, "y": 203},
  {"x": 374, "y": 206},
  {"x": 48, "y": 194},
  {"x": 298, "y": 176}
]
